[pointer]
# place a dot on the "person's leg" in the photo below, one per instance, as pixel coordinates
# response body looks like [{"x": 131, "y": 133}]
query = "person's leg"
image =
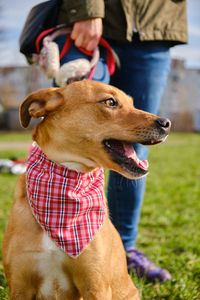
[
  {"x": 143, "y": 75},
  {"x": 125, "y": 80}
]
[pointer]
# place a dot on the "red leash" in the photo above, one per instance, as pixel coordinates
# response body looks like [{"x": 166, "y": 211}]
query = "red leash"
[{"x": 110, "y": 60}]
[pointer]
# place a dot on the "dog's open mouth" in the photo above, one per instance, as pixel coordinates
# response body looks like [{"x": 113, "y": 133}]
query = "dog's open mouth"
[{"x": 124, "y": 155}]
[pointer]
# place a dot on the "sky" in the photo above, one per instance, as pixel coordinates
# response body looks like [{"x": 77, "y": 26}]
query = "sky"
[
  {"x": 13, "y": 15},
  {"x": 191, "y": 52}
]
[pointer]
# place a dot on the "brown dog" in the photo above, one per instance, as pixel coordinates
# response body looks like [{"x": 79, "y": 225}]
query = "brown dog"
[{"x": 86, "y": 125}]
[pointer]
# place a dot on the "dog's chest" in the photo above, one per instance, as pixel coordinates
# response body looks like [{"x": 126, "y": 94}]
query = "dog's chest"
[{"x": 50, "y": 267}]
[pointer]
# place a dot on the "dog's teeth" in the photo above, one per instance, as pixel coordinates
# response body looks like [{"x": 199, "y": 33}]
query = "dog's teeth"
[{"x": 107, "y": 144}]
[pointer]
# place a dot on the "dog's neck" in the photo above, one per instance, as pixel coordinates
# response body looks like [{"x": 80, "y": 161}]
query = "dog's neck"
[
  {"x": 75, "y": 166},
  {"x": 74, "y": 162},
  {"x": 70, "y": 161}
]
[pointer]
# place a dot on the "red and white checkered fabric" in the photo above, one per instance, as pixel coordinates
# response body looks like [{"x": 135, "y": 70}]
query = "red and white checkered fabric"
[{"x": 69, "y": 206}]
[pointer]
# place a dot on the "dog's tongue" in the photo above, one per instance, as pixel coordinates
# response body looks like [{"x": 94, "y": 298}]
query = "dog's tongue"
[
  {"x": 127, "y": 150},
  {"x": 144, "y": 164},
  {"x": 130, "y": 153}
]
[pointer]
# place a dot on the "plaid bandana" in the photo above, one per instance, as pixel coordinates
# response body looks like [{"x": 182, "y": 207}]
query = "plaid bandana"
[{"x": 69, "y": 206}]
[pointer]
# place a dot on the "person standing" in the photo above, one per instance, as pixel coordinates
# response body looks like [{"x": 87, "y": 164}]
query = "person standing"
[{"x": 141, "y": 32}]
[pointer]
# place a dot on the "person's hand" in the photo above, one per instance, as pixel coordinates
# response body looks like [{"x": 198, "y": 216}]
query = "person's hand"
[{"x": 86, "y": 34}]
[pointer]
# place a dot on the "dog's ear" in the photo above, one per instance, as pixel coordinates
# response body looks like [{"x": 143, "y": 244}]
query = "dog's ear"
[{"x": 39, "y": 104}]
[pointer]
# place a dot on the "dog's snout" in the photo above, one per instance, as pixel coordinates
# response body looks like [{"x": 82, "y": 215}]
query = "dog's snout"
[{"x": 163, "y": 123}]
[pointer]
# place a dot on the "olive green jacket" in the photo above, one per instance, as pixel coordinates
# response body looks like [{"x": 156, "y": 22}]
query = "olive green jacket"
[{"x": 151, "y": 19}]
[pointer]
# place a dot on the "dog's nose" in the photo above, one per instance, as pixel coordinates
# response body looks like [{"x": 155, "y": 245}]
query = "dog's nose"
[{"x": 163, "y": 123}]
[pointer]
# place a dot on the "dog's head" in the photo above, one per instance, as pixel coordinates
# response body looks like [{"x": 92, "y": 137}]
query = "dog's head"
[{"x": 90, "y": 124}]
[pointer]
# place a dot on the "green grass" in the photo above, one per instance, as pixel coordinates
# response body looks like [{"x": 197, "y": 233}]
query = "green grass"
[{"x": 169, "y": 231}]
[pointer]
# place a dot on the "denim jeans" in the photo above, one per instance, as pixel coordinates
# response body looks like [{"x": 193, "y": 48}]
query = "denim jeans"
[{"x": 144, "y": 68}]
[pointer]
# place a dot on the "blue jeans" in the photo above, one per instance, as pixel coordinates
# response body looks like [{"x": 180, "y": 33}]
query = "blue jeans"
[{"x": 143, "y": 75}]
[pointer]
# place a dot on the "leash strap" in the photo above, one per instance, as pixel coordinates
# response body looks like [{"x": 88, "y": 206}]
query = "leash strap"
[
  {"x": 58, "y": 30},
  {"x": 40, "y": 36}
]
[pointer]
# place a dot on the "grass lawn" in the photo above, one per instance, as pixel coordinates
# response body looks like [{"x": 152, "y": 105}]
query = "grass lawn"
[{"x": 169, "y": 231}]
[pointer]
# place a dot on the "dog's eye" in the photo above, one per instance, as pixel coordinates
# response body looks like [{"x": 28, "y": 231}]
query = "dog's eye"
[{"x": 111, "y": 102}]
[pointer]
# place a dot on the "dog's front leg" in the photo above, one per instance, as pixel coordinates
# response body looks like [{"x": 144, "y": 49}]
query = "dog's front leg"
[
  {"x": 100, "y": 293},
  {"x": 91, "y": 273}
]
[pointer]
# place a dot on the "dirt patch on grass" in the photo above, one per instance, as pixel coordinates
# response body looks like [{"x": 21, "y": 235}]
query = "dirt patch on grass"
[{"x": 14, "y": 145}]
